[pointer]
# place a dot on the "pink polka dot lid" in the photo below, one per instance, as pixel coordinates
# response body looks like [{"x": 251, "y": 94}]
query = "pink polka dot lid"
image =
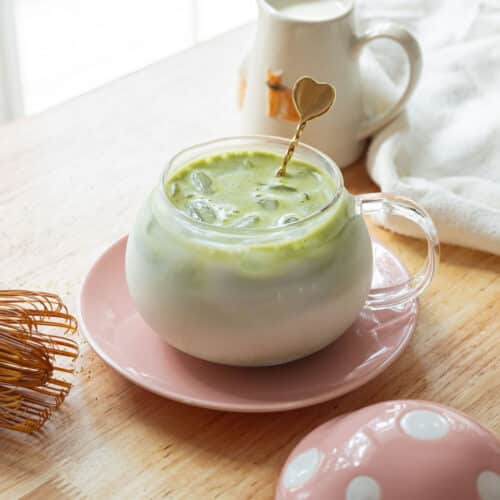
[{"x": 411, "y": 450}]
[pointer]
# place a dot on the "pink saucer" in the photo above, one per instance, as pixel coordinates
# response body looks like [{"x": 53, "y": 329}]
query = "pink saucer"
[{"x": 116, "y": 331}]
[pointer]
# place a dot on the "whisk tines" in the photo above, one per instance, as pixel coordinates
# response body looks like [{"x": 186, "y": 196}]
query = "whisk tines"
[{"x": 36, "y": 357}]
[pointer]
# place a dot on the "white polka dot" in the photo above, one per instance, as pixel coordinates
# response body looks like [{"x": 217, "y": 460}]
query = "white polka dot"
[
  {"x": 488, "y": 485},
  {"x": 363, "y": 488},
  {"x": 425, "y": 425},
  {"x": 301, "y": 469}
]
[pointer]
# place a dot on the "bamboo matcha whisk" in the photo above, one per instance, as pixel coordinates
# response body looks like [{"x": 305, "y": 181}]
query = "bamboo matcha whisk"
[{"x": 35, "y": 357}]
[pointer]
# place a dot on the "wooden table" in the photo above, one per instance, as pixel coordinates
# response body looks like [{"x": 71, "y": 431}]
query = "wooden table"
[{"x": 71, "y": 180}]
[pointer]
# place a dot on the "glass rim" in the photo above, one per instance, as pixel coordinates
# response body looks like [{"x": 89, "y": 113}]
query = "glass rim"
[{"x": 332, "y": 168}]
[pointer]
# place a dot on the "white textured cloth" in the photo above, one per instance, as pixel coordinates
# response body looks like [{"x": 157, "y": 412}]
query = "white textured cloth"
[{"x": 444, "y": 151}]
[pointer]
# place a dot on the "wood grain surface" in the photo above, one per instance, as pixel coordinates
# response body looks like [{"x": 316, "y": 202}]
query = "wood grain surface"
[{"x": 71, "y": 180}]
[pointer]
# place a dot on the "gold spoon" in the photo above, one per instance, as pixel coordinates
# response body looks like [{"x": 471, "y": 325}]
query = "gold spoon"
[{"x": 311, "y": 99}]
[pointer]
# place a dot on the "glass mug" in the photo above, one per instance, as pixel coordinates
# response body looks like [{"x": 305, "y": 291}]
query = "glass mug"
[{"x": 263, "y": 296}]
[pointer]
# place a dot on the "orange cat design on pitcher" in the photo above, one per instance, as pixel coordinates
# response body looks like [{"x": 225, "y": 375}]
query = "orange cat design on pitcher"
[{"x": 279, "y": 97}]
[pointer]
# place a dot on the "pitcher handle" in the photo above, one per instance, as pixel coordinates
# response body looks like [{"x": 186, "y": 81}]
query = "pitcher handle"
[
  {"x": 391, "y": 31},
  {"x": 388, "y": 204}
]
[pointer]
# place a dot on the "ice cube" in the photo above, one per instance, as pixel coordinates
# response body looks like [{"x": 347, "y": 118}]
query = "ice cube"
[
  {"x": 249, "y": 220},
  {"x": 268, "y": 203},
  {"x": 287, "y": 219},
  {"x": 201, "y": 210},
  {"x": 301, "y": 172},
  {"x": 201, "y": 182},
  {"x": 317, "y": 177},
  {"x": 282, "y": 188},
  {"x": 174, "y": 189}
]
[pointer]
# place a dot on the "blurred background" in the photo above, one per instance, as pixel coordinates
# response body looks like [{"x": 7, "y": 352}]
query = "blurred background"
[{"x": 53, "y": 50}]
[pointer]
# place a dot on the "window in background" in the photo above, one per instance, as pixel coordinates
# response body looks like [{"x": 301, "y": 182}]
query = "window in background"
[{"x": 68, "y": 47}]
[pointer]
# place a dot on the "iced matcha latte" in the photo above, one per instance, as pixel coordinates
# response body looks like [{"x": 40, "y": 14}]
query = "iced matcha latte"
[
  {"x": 232, "y": 264},
  {"x": 241, "y": 190}
]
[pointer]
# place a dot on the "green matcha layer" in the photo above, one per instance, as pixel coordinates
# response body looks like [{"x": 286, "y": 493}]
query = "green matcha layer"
[{"x": 241, "y": 190}]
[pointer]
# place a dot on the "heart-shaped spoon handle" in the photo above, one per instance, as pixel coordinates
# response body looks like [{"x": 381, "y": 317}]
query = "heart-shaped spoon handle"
[{"x": 311, "y": 99}]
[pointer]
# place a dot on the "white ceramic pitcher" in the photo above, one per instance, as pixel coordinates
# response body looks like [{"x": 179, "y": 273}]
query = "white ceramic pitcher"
[{"x": 316, "y": 38}]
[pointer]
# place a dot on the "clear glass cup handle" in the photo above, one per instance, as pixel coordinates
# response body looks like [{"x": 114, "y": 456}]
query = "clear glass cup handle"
[{"x": 388, "y": 204}]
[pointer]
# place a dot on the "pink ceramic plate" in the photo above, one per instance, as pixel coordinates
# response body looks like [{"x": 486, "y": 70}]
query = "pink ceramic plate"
[{"x": 116, "y": 331}]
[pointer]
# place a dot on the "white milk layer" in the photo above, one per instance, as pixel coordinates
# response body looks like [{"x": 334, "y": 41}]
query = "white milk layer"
[
  {"x": 311, "y": 10},
  {"x": 235, "y": 304}
]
